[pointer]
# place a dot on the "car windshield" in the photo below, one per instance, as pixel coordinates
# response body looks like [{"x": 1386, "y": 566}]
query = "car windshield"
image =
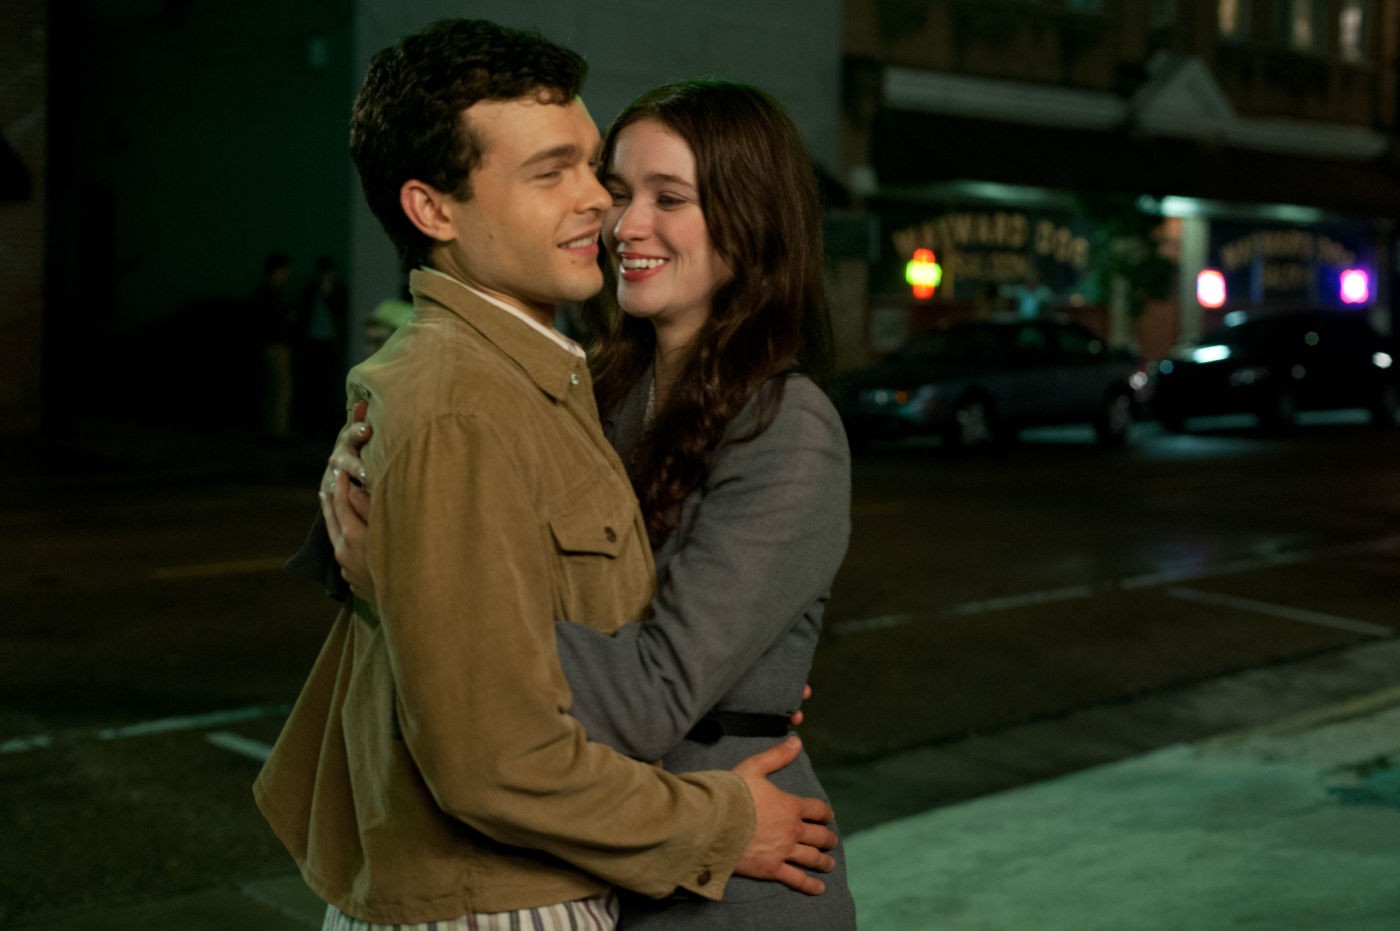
[
  {"x": 959, "y": 343},
  {"x": 1264, "y": 331}
]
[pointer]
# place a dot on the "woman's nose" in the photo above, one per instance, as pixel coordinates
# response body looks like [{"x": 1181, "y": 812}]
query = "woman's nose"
[{"x": 630, "y": 224}]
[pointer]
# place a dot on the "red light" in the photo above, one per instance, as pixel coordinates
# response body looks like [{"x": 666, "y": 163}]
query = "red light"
[
  {"x": 1210, "y": 288},
  {"x": 1356, "y": 286},
  {"x": 923, "y": 273}
]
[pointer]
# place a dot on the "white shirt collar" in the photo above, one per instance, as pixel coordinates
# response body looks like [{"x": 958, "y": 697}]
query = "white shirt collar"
[{"x": 552, "y": 333}]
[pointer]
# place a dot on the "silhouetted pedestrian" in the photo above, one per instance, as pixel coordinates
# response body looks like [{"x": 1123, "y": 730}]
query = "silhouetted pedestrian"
[
  {"x": 320, "y": 354},
  {"x": 274, "y": 317}
]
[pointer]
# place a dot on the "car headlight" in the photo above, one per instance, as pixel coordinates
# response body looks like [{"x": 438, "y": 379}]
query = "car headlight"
[
  {"x": 920, "y": 399},
  {"x": 1208, "y": 354},
  {"x": 926, "y": 397},
  {"x": 883, "y": 397}
]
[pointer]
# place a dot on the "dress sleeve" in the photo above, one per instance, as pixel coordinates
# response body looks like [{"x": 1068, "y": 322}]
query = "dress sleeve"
[
  {"x": 770, "y": 532},
  {"x": 462, "y": 563},
  {"x": 315, "y": 561}
]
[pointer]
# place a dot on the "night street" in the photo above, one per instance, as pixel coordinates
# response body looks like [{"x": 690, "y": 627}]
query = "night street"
[
  {"x": 1103, "y": 295},
  {"x": 152, "y": 644}
]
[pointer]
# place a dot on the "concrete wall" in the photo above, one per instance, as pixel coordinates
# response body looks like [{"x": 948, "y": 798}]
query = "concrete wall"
[
  {"x": 23, "y": 71},
  {"x": 189, "y": 139},
  {"x": 221, "y": 135}
]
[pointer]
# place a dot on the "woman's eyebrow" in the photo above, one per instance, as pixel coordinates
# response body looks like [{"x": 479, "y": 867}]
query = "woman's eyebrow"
[{"x": 660, "y": 177}]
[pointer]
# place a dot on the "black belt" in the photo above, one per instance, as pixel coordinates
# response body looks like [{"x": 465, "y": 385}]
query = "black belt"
[{"x": 717, "y": 724}]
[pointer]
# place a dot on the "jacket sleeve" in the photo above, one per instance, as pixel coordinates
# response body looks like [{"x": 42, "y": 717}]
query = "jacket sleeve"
[
  {"x": 770, "y": 532},
  {"x": 315, "y": 561},
  {"x": 462, "y": 561}
]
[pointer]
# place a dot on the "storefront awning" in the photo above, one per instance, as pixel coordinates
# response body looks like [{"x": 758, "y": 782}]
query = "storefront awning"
[{"x": 912, "y": 149}]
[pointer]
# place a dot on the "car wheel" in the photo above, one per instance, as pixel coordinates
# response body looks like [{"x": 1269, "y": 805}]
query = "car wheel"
[
  {"x": 1173, "y": 423},
  {"x": 972, "y": 425},
  {"x": 1114, "y": 420},
  {"x": 1385, "y": 410},
  {"x": 1279, "y": 408},
  {"x": 1171, "y": 419}
]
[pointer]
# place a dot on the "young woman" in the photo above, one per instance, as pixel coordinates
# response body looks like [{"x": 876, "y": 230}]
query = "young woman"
[{"x": 738, "y": 459}]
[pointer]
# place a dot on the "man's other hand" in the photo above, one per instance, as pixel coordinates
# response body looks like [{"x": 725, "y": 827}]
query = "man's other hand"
[{"x": 789, "y": 831}]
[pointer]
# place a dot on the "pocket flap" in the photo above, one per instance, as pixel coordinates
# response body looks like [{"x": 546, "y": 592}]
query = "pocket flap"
[{"x": 591, "y": 526}]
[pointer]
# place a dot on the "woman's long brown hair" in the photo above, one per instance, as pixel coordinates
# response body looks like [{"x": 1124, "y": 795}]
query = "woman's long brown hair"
[{"x": 758, "y": 193}]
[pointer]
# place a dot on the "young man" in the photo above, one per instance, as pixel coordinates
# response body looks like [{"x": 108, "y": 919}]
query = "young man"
[{"x": 430, "y": 770}]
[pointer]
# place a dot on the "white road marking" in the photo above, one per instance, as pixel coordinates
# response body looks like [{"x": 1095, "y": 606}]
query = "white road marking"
[
  {"x": 883, "y": 622},
  {"x": 1191, "y": 574},
  {"x": 1281, "y": 611},
  {"x": 210, "y": 570},
  {"x": 145, "y": 728},
  {"x": 244, "y": 746},
  {"x": 1157, "y": 580},
  {"x": 1030, "y": 599},
  {"x": 192, "y": 722}
]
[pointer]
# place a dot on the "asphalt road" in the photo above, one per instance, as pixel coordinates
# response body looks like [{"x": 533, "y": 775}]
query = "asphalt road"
[
  {"x": 985, "y": 591},
  {"x": 150, "y": 644}
]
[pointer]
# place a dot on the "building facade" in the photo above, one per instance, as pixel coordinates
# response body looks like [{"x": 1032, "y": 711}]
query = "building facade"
[
  {"x": 1102, "y": 153},
  {"x": 1091, "y": 156}
]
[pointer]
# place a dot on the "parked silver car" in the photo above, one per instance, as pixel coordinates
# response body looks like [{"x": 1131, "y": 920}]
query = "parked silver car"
[{"x": 974, "y": 382}]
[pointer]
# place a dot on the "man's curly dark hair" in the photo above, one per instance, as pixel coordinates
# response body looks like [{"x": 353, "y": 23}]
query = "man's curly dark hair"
[{"x": 407, "y": 122}]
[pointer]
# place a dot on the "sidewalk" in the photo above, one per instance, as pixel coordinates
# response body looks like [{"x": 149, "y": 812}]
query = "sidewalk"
[{"x": 1290, "y": 827}]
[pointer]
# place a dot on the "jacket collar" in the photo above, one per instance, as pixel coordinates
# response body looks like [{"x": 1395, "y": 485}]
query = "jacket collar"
[{"x": 549, "y": 362}]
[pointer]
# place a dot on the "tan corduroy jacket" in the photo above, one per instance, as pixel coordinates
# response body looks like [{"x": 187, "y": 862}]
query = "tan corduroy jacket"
[{"x": 430, "y": 767}]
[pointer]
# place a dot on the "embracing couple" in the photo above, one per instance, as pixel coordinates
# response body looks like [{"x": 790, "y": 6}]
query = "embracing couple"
[{"x": 542, "y": 604}]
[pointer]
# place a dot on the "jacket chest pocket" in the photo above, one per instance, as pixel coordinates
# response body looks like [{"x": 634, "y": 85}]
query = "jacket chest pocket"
[{"x": 603, "y": 569}]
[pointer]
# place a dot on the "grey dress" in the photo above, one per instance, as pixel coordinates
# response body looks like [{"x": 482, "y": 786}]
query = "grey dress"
[{"x": 741, "y": 588}]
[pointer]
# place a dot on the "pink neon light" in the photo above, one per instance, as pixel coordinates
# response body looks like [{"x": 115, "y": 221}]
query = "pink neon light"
[
  {"x": 1210, "y": 288},
  {"x": 1356, "y": 286}
]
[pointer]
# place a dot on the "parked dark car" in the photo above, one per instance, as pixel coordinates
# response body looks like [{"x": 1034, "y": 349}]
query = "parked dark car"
[
  {"x": 978, "y": 381},
  {"x": 1273, "y": 364}
]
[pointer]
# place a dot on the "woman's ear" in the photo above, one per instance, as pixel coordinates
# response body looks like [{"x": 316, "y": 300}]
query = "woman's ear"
[{"x": 428, "y": 209}]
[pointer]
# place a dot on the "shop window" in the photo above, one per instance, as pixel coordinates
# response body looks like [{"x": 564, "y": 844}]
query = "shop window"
[
  {"x": 1233, "y": 18},
  {"x": 1031, "y": 342},
  {"x": 1306, "y": 26},
  {"x": 1351, "y": 30}
]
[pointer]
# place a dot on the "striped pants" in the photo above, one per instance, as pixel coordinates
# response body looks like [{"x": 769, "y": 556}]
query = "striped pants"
[{"x": 596, "y": 914}]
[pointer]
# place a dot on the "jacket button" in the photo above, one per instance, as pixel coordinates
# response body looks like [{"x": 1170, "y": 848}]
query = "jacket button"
[
  {"x": 573, "y": 378},
  {"x": 610, "y": 534},
  {"x": 703, "y": 879}
]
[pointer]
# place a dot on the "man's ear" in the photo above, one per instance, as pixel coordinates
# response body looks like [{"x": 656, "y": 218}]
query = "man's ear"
[{"x": 428, "y": 209}]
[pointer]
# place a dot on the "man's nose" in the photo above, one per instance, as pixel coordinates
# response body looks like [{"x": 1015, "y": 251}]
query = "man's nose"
[{"x": 595, "y": 197}]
